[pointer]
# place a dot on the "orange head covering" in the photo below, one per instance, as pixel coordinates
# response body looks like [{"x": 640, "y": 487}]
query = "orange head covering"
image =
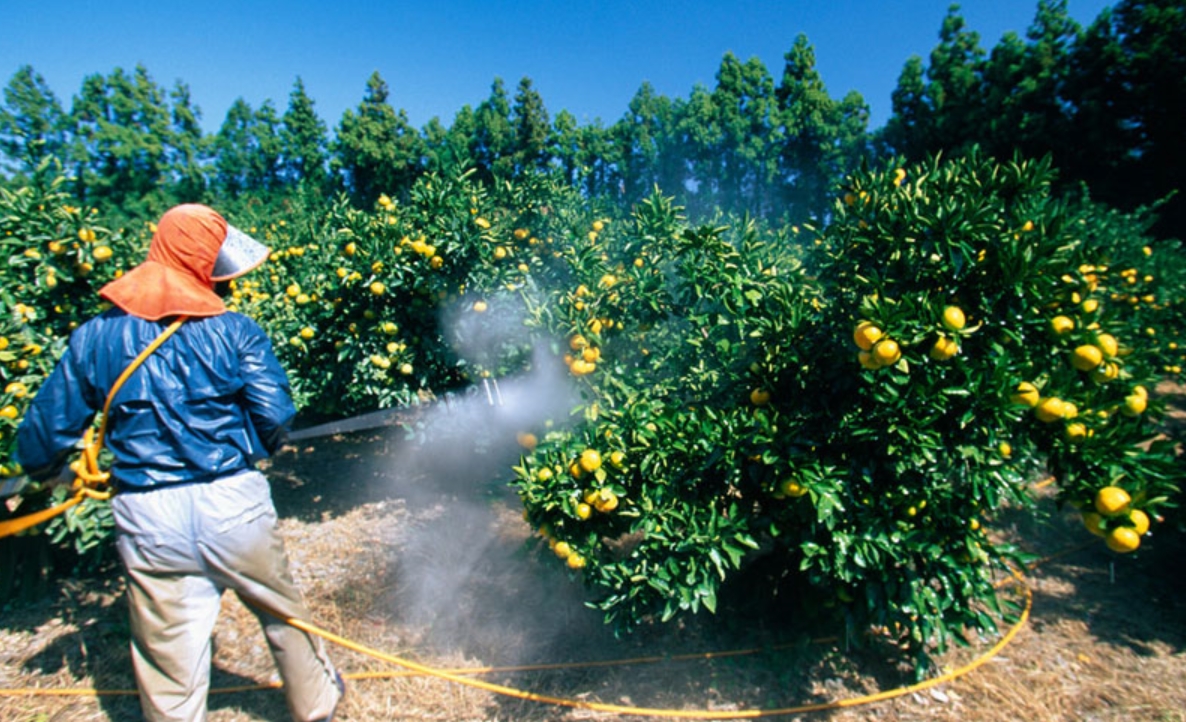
[{"x": 177, "y": 278}]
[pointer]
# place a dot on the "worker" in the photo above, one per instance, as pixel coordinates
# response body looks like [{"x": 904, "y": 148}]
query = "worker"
[{"x": 193, "y": 515}]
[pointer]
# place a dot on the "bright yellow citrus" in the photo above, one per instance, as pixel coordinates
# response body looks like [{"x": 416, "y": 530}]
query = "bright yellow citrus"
[
  {"x": 953, "y": 318},
  {"x": 378, "y": 288},
  {"x": 590, "y": 460},
  {"x": 1140, "y": 521},
  {"x": 584, "y": 511},
  {"x": 1112, "y": 500},
  {"x": 479, "y": 307},
  {"x": 1123, "y": 540},
  {"x": 1026, "y": 394},
  {"x": 1107, "y": 343},
  {"x": 1061, "y": 325},
  {"x": 865, "y": 335},
  {"x": 1050, "y": 409},
  {"x": 606, "y": 501},
  {"x": 9, "y": 412},
  {"x": 759, "y": 397},
  {"x": 1086, "y": 358},
  {"x": 887, "y": 352},
  {"x": 944, "y": 349},
  {"x": 1134, "y": 405}
]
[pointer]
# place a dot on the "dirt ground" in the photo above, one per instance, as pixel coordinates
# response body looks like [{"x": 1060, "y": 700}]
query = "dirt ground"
[{"x": 415, "y": 551}]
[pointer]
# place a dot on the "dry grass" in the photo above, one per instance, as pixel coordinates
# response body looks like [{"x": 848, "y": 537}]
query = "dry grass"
[{"x": 446, "y": 575}]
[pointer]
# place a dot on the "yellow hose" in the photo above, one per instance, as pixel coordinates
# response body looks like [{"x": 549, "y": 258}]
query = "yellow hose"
[{"x": 456, "y": 677}]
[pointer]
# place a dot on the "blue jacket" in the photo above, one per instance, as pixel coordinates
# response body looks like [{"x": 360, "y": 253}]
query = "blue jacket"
[{"x": 208, "y": 403}]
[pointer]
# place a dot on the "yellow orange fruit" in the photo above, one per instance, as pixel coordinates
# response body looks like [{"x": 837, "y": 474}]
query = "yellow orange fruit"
[
  {"x": 759, "y": 397},
  {"x": 1134, "y": 405},
  {"x": 1123, "y": 540},
  {"x": 887, "y": 352},
  {"x": 1112, "y": 500},
  {"x": 1061, "y": 324},
  {"x": 953, "y": 318},
  {"x": 1050, "y": 409},
  {"x": 1026, "y": 394},
  {"x": 944, "y": 349},
  {"x": 590, "y": 460},
  {"x": 1107, "y": 343},
  {"x": 1140, "y": 521},
  {"x": 865, "y": 335},
  {"x": 1086, "y": 357}
]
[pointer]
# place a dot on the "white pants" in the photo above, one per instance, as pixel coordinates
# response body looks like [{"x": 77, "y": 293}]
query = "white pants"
[{"x": 181, "y": 547}]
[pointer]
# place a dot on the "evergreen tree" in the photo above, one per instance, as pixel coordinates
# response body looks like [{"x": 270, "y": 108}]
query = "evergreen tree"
[
  {"x": 121, "y": 128},
  {"x": 233, "y": 151},
  {"x": 747, "y": 133},
  {"x": 303, "y": 142},
  {"x": 529, "y": 120},
  {"x": 1126, "y": 83},
  {"x": 824, "y": 138},
  {"x": 376, "y": 148},
  {"x": 32, "y": 122},
  {"x": 187, "y": 147},
  {"x": 493, "y": 139}
]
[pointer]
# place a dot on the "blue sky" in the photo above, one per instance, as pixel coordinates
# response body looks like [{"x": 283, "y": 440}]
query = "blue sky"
[{"x": 587, "y": 57}]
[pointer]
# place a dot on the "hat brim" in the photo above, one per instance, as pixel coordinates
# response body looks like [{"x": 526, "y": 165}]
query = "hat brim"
[{"x": 239, "y": 254}]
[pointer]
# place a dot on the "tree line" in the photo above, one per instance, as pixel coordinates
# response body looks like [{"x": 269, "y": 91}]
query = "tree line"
[{"x": 1103, "y": 101}]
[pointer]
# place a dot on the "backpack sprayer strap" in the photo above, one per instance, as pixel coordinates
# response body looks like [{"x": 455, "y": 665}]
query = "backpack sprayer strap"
[{"x": 90, "y": 480}]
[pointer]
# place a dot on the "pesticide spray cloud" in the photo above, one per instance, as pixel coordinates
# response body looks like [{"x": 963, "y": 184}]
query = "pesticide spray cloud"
[{"x": 462, "y": 580}]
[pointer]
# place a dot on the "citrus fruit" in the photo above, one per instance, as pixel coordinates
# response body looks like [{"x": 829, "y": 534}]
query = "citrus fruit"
[
  {"x": 1061, "y": 325},
  {"x": 1026, "y": 394},
  {"x": 953, "y": 318},
  {"x": 1086, "y": 357},
  {"x": 887, "y": 352},
  {"x": 759, "y": 397},
  {"x": 1107, "y": 343},
  {"x": 1050, "y": 409},
  {"x": 1112, "y": 500},
  {"x": 1123, "y": 539},
  {"x": 590, "y": 460},
  {"x": 1134, "y": 405},
  {"x": 792, "y": 488},
  {"x": 1140, "y": 521},
  {"x": 865, "y": 335},
  {"x": 944, "y": 349},
  {"x": 1094, "y": 523}
]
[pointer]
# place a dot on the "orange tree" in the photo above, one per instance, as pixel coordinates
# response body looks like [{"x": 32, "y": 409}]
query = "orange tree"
[
  {"x": 860, "y": 409},
  {"x": 57, "y": 254}
]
